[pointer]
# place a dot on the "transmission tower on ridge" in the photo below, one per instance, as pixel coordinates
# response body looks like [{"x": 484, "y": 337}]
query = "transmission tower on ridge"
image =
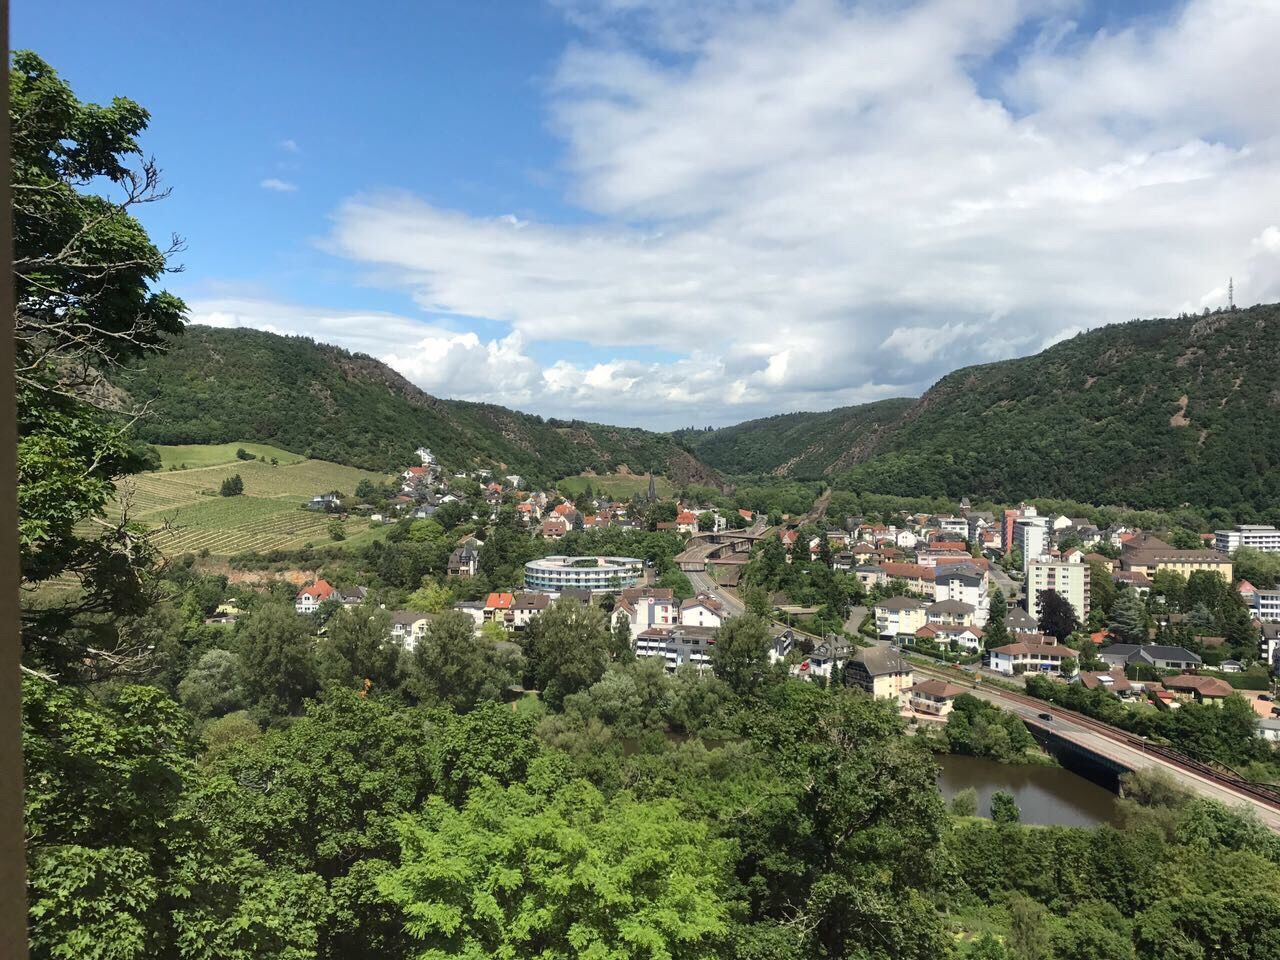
[{"x": 1231, "y": 293}]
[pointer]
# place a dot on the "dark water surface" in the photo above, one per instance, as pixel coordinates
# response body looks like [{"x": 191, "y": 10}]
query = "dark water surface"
[{"x": 1045, "y": 795}]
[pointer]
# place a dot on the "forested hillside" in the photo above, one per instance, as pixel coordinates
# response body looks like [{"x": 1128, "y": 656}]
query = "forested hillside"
[
  {"x": 804, "y": 445},
  {"x": 1151, "y": 413},
  {"x": 216, "y": 386}
]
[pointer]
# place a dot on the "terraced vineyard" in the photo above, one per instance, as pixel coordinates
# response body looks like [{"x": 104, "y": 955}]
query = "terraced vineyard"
[{"x": 190, "y": 516}]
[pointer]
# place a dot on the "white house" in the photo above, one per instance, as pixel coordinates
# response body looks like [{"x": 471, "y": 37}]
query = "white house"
[
  {"x": 899, "y": 615},
  {"x": 964, "y": 582},
  {"x": 646, "y": 608},
  {"x": 310, "y": 597},
  {"x": 703, "y": 610},
  {"x": 1039, "y": 654}
]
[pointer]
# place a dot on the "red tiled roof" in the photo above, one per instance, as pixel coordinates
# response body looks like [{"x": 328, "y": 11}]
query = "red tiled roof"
[
  {"x": 745, "y": 514},
  {"x": 908, "y": 571},
  {"x": 321, "y": 590},
  {"x": 686, "y": 516},
  {"x": 499, "y": 601}
]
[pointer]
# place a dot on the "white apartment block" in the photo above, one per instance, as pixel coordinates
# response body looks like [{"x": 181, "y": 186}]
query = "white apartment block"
[
  {"x": 1265, "y": 604},
  {"x": 1256, "y": 536},
  {"x": 1069, "y": 579},
  {"x": 1031, "y": 537}
]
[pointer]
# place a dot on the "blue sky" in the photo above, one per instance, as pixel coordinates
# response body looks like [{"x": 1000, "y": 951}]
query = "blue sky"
[{"x": 661, "y": 213}]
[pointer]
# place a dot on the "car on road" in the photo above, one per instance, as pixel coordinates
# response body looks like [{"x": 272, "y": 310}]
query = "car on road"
[
  {"x": 1266, "y": 696},
  {"x": 1047, "y": 717}
]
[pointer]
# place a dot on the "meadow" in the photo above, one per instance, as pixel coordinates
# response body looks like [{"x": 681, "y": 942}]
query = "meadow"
[
  {"x": 191, "y": 455},
  {"x": 619, "y": 486},
  {"x": 188, "y": 515}
]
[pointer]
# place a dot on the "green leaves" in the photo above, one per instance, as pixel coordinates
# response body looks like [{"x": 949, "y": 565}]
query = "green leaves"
[{"x": 514, "y": 874}]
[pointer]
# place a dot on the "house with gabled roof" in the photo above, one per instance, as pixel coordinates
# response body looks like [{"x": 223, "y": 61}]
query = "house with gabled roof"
[{"x": 310, "y": 597}]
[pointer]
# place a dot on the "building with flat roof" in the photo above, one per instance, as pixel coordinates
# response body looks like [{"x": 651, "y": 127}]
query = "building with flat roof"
[
  {"x": 1255, "y": 536},
  {"x": 597, "y": 574}
]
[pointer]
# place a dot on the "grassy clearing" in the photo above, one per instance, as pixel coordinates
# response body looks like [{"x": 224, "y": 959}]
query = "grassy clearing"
[
  {"x": 619, "y": 486},
  {"x": 190, "y": 516},
  {"x": 192, "y": 455}
]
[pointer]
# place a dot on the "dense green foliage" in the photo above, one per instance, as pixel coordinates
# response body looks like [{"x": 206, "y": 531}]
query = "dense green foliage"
[
  {"x": 981, "y": 729},
  {"x": 218, "y": 386},
  {"x": 84, "y": 276}
]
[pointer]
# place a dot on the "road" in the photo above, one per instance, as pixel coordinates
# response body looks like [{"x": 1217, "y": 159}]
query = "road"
[
  {"x": 1008, "y": 586},
  {"x": 1087, "y": 733}
]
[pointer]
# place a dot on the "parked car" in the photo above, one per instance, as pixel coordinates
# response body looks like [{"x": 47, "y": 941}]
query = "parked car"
[{"x": 1266, "y": 696}]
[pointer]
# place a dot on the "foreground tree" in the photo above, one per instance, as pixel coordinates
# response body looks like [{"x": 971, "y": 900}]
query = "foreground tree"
[
  {"x": 83, "y": 274},
  {"x": 567, "y": 649},
  {"x": 126, "y": 860},
  {"x": 1057, "y": 616},
  {"x": 452, "y": 665},
  {"x": 518, "y": 873},
  {"x": 740, "y": 656}
]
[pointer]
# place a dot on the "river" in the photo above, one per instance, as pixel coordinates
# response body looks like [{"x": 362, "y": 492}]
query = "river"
[{"x": 1045, "y": 795}]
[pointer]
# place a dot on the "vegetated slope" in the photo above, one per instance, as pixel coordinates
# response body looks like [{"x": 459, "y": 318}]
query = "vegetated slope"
[
  {"x": 802, "y": 445},
  {"x": 218, "y": 386},
  {"x": 1151, "y": 413}
]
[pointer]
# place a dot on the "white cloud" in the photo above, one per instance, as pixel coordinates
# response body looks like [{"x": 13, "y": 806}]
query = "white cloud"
[
  {"x": 289, "y": 145},
  {"x": 816, "y": 203},
  {"x": 279, "y": 186}
]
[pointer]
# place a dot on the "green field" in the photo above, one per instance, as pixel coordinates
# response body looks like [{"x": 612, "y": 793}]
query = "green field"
[
  {"x": 189, "y": 516},
  {"x": 191, "y": 455},
  {"x": 619, "y": 486}
]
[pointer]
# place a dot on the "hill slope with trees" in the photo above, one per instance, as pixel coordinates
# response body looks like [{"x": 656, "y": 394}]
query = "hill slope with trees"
[
  {"x": 802, "y": 445},
  {"x": 1150, "y": 413},
  {"x": 215, "y": 386}
]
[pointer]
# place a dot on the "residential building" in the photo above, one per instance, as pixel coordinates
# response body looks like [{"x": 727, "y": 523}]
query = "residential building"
[
  {"x": 900, "y": 615},
  {"x": 597, "y": 574},
  {"x": 1197, "y": 688},
  {"x": 917, "y": 578},
  {"x": 933, "y": 698},
  {"x": 472, "y": 608},
  {"x": 1067, "y": 578},
  {"x": 1113, "y": 681},
  {"x": 677, "y": 645},
  {"x": 553, "y": 528},
  {"x": 1264, "y": 603},
  {"x": 1017, "y": 621},
  {"x": 880, "y": 671},
  {"x": 949, "y": 612},
  {"x": 497, "y": 606},
  {"x": 1032, "y": 653},
  {"x": 1149, "y": 555},
  {"x": 966, "y": 582},
  {"x": 687, "y": 521},
  {"x": 408, "y": 627},
  {"x": 1269, "y": 645},
  {"x": 1031, "y": 537},
  {"x": 646, "y": 608},
  {"x": 353, "y": 597},
  {"x": 1255, "y": 536},
  {"x": 1149, "y": 654},
  {"x": 826, "y": 655},
  {"x": 964, "y": 636},
  {"x": 464, "y": 562},
  {"x": 703, "y": 610},
  {"x": 525, "y": 607},
  {"x": 312, "y": 595}
]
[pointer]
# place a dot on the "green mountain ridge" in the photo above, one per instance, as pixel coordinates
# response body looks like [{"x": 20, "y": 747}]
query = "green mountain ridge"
[
  {"x": 1149, "y": 413},
  {"x": 220, "y": 385}
]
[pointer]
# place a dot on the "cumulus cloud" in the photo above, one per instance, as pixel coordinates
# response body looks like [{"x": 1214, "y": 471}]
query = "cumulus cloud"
[
  {"x": 277, "y": 185},
  {"x": 814, "y": 203}
]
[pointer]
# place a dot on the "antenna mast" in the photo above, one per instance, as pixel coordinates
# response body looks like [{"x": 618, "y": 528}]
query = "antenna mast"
[{"x": 1231, "y": 293}]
